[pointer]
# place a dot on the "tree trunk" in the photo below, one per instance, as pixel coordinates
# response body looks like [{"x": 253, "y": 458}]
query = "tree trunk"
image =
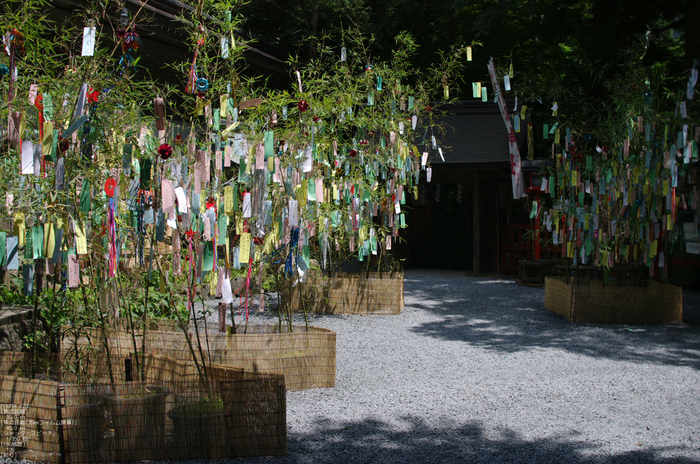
[
  {"x": 692, "y": 32},
  {"x": 313, "y": 26}
]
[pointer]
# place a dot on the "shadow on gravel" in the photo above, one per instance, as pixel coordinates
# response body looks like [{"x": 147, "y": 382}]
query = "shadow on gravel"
[
  {"x": 501, "y": 315},
  {"x": 415, "y": 441}
]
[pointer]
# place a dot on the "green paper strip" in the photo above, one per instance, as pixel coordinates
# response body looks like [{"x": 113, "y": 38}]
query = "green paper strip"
[
  {"x": 312, "y": 190},
  {"x": 242, "y": 176},
  {"x": 38, "y": 241},
  {"x": 47, "y": 101},
  {"x": 223, "y": 224},
  {"x": 85, "y": 200},
  {"x": 306, "y": 255},
  {"x": 54, "y": 145},
  {"x": 551, "y": 186},
  {"x": 145, "y": 176},
  {"x": 28, "y": 246},
  {"x": 208, "y": 257},
  {"x": 269, "y": 144},
  {"x": 74, "y": 127}
]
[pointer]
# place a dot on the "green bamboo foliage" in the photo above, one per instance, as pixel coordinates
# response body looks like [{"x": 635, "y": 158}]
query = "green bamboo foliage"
[
  {"x": 622, "y": 169},
  {"x": 134, "y": 197}
]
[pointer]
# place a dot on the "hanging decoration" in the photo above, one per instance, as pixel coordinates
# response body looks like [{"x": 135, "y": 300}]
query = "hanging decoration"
[{"x": 130, "y": 41}]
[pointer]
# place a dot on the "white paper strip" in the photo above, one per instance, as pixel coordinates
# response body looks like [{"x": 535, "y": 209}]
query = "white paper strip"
[
  {"x": 308, "y": 160},
  {"x": 226, "y": 292},
  {"x": 224, "y": 47},
  {"x": 27, "y": 157},
  {"x": 246, "y": 205},
  {"x": 181, "y": 200},
  {"x": 293, "y": 213},
  {"x": 88, "y": 41}
]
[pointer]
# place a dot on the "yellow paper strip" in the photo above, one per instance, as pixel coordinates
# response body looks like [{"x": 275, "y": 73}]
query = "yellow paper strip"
[
  {"x": 228, "y": 200},
  {"x": 223, "y": 105},
  {"x": 213, "y": 281},
  {"x": 49, "y": 240},
  {"x": 80, "y": 240},
  {"x": 244, "y": 250},
  {"x": 19, "y": 229}
]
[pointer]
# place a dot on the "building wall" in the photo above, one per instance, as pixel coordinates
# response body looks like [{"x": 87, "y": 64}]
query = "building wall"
[{"x": 441, "y": 226}]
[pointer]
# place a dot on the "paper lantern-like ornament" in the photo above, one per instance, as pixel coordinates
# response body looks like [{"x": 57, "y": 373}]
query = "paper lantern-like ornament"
[
  {"x": 110, "y": 184},
  {"x": 202, "y": 84},
  {"x": 165, "y": 151}
]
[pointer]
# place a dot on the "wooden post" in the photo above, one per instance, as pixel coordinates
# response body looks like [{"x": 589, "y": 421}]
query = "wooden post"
[
  {"x": 476, "y": 268},
  {"x": 536, "y": 235},
  {"x": 222, "y": 316}
]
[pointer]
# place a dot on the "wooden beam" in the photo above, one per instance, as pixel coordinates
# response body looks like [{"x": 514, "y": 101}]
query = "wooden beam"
[{"x": 476, "y": 224}]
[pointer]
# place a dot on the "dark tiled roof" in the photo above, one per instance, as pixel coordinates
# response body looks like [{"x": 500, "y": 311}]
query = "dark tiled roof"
[{"x": 474, "y": 132}]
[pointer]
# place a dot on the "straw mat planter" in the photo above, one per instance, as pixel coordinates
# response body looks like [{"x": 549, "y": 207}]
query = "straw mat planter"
[
  {"x": 378, "y": 293},
  {"x": 138, "y": 419},
  {"x": 197, "y": 430},
  {"x": 60, "y": 422},
  {"x": 305, "y": 358},
  {"x": 596, "y": 303}
]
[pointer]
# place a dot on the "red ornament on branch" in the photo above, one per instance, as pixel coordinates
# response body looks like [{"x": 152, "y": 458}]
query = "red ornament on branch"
[
  {"x": 302, "y": 105},
  {"x": 93, "y": 95},
  {"x": 63, "y": 144},
  {"x": 110, "y": 185},
  {"x": 165, "y": 151}
]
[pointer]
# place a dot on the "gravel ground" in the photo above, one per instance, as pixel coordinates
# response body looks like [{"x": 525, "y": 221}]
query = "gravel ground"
[{"x": 477, "y": 370}]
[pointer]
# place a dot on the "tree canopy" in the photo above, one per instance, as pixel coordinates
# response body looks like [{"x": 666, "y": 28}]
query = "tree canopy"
[{"x": 558, "y": 46}]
